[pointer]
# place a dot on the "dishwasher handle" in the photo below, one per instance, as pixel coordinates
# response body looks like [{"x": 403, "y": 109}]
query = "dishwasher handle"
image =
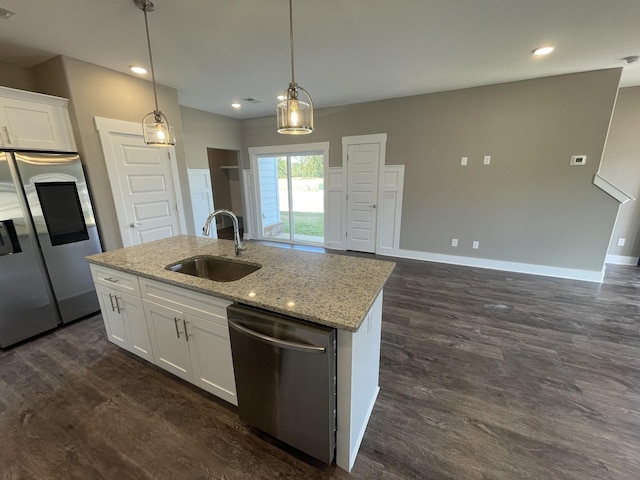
[{"x": 276, "y": 341}]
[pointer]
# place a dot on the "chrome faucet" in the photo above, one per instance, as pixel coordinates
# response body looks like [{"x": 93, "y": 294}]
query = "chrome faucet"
[{"x": 237, "y": 238}]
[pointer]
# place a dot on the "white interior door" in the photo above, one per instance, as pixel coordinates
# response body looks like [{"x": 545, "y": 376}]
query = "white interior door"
[
  {"x": 201, "y": 197},
  {"x": 144, "y": 183},
  {"x": 363, "y": 164}
]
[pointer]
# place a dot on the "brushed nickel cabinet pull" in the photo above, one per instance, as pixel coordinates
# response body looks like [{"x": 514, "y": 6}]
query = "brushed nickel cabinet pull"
[
  {"x": 186, "y": 333},
  {"x": 175, "y": 321},
  {"x": 113, "y": 308}
]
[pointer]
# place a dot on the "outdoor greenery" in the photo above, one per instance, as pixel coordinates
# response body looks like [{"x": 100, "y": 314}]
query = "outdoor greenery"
[
  {"x": 303, "y": 166},
  {"x": 306, "y": 223}
]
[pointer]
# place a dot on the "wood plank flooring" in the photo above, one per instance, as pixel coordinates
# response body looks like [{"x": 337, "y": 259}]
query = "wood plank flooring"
[{"x": 484, "y": 375}]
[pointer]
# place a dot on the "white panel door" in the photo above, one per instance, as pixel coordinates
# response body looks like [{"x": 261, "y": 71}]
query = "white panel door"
[
  {"x": 143, "y": 181},
  {"x": 201, "y": 197},
  {"x": 363, "y": 163}
]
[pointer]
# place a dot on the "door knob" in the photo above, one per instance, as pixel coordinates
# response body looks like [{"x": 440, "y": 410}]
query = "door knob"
[
  {"x": 134, "y": 224},
  {"x": 373, "y": 205}
]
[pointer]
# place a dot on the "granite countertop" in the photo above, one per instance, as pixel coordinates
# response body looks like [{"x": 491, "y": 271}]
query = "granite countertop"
[{"x": 329, "y": 289}]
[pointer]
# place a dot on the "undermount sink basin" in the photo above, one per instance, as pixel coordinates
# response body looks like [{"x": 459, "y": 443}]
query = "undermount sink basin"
[{"x": 214, "y": 268}]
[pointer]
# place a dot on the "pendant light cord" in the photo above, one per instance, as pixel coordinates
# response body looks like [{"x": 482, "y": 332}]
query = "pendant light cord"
[
  {"x": 293, "y": 78},
  {"x": 153, "y": 75}
]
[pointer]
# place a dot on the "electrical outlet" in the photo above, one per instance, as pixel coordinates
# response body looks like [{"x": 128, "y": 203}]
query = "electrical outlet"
[
  {"x": 464, "y": 160},
  {"x": 621, "y": 242},
  {"x": 487, "y": 159},
  {"x": 454, "y": 242},
  {"x": 476, "y": 244}
]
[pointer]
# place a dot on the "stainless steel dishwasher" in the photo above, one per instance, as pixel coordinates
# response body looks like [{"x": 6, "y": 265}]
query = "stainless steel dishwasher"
[{"x": 285, "y": 373}]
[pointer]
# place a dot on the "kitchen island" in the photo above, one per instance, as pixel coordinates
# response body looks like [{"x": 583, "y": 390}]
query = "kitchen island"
[{"x": 141, "y": 299}]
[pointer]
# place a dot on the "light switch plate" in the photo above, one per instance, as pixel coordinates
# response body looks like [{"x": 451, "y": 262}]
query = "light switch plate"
[
  {"x": 464, "y": 160},
  {"x": 487, "y": 159},
  {"x": 476, "y": 244}
]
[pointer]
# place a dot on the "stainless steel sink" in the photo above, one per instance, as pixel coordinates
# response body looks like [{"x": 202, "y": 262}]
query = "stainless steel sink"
[{"x": 214, "y": 268}]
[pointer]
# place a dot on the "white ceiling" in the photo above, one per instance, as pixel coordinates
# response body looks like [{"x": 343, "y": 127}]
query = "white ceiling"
[{"x": 215, "y": 52}]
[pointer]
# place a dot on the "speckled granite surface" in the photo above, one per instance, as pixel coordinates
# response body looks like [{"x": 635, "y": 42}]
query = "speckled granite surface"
[{"x": 333, "y": 290}]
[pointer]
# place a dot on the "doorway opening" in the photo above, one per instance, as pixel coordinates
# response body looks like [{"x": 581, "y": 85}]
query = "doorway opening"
[{"x": 224, "y": 169}]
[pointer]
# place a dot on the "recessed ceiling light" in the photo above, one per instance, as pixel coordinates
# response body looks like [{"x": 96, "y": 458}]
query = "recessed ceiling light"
[
  {"x": 138, "y": 70},
  {"x": 541, "y": 51},
  {"x": 236, "y": 105}
]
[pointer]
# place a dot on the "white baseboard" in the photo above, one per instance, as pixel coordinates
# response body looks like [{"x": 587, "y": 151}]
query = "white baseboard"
[
  {"x": 544, "y": 270},
  {"x": 621, "y": 260}
]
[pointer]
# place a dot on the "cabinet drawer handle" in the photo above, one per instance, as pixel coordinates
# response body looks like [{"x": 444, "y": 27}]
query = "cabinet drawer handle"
[
  {"x": 112, "y": 280},
  {"x": 175, "y": 321},
  {"x": 186, "y": 333}
]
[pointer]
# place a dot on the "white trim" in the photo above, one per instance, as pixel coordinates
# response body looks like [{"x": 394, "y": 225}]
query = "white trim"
[
  {"x": 107, "y": 126},
  {"x": 390, "y": 193},
  {"x": 335, "y": 218},
  {"x": 516, "y": 267},
  {"x": 621, "y": 260},
  {"x": 380, "y": 138},
  {"x": 249, "y": 215}
]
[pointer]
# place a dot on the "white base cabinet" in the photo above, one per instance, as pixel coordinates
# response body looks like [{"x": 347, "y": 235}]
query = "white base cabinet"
[
  {"x": 122, "y": 311},
  {"x": 183, "y": 332}
]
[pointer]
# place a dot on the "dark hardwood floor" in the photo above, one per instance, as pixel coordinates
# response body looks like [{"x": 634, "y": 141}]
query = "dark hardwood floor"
[{"x": 484, "y": 375}]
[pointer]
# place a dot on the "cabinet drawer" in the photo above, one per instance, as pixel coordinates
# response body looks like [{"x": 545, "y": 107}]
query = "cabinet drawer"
[
  {"x": 205, "y": 306},
  {"x": 121, "y": 281}
]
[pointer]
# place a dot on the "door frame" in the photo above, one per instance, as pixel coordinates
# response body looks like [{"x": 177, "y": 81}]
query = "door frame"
[
  {"x": 252, "y": 184},
  {"x": 381, "y": 139},
  {"x": 108, "y": 126}
]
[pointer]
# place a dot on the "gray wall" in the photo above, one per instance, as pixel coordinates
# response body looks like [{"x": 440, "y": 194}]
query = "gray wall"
[
  {"x": 203, "y": 130},
  {"x": 14, "y": 76},
  {"x": 529, "y": 205},
  {"x": 621, "y": 166}
]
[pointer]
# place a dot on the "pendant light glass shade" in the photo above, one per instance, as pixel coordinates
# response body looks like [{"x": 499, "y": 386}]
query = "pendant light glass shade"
[
  {"x": 155, "y": 126},
  {"x": 295, "y": 114},
  {"x": 156, "y": 129}
]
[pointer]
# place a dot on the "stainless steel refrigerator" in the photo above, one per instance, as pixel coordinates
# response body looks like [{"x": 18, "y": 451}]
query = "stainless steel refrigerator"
[{"x": 47, "y": 227}]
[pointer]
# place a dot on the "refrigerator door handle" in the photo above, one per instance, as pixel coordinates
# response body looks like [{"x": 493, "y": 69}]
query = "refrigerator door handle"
[{"x": 276, "y": 341}]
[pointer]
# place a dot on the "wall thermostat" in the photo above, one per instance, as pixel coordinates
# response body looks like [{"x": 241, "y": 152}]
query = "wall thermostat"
[{"x": 578, "y": 160}]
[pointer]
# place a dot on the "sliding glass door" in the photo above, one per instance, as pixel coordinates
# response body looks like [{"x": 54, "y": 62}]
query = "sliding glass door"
[{"x": 291, "y": 197}]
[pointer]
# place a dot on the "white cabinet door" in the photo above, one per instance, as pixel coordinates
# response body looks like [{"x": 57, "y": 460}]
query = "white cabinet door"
[
  {"x": 113, "y": 321},
  {"x": 168, "y": 337},
  {"x": 35, "y": 121},
  {"x": 210, "y": 350},
  {"x": 133, "y": 312},
  {"x": 124, "y": 321}
]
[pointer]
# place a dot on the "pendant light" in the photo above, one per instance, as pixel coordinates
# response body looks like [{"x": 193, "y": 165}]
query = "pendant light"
[
  {"x": 155, "y": 126},
  {"x": 295, "y": 116}
]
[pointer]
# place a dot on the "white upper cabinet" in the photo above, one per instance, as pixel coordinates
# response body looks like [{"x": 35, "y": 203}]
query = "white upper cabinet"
[{"x": 34, "y": 121}]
